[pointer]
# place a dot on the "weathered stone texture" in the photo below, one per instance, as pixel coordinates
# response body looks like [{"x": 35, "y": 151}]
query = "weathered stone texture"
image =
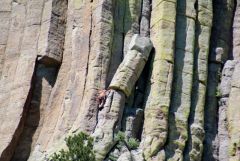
[
  {"x": 215, "y": 143},
  {"x": 109, "y": 118},
  {"x": 51, "y": 38},
  {"x": 130, "y": 69},
  {"x": 196, "y": 120},
  {"x": 175, "y": 86},
  {"x": 20, "y": 57},
  {"x": 162, "y": 34},
  {"x": 82, "y": 73},
  {"x": 108, "y": 123},
  {"x": 5, "y": 18},
  {"x": 233, "y": 116},
  {"x": 225, "y": 88},
  {"x": 182, "y": 82},
  {"x": 44, "y": 80},
  {"x": 131, "y": 21}
]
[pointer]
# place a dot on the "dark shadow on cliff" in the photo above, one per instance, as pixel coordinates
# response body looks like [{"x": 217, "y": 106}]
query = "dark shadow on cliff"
[
  {"x": 44, "y": 80},
  {"x": 221, "y": 10}
]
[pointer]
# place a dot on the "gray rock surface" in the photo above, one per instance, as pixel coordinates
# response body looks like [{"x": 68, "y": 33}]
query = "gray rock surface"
[{"x": 68, "y": 66}]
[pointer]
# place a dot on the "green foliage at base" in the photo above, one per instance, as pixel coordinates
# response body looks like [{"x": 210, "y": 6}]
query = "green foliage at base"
[
  {"x": 218, "y": 93},
  {"x": 112, "y": 158},
  {"x": 131, "y": 143},
  {"x": 79, "y": 149},
  {"x": 120, "y": 137}
]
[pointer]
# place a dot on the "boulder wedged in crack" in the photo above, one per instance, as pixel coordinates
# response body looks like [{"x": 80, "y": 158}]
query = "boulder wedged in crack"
[
  {"x": 109, "y": 118},
  {"x": 133, "y": 63}
]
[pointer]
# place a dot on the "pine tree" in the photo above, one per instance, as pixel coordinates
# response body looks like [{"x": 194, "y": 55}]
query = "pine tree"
[{"x": 79, "y": 149}]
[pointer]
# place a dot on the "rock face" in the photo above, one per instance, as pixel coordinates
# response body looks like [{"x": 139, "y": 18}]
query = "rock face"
[
  {"x": 168, "y": 71},
  {"x": 109, "y": 118}
]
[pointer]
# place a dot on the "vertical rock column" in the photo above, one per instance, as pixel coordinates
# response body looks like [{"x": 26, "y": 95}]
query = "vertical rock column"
[
  {"x": 145, "y": 18},
  {"x": 100, "y": 43},
  {"x": 66, "y": 96},
  {"x": 51, "y": 39},
  {"x": 133, "y": 115},
  {"x": 50, "y": 49},
  {"x": 215, "y": 124},
  {"x": 18, "y": 70},
  {"x": 196, "y": 120},
  {"x": 182, "y": 82},
  {"x": 43, "y": 82},
  {"x": 126, "y": 17},
  {"x": 117, "y": 39},
  {"x": 233, "y": 112},
  {"x": 109, "y": 118},
  {"x": 224, "y": 90},
  {"x": 233, "y": 116},
  {"x": 131, "y": 21},
  {"x": 162, "y": 30},
  {"x": 5, "y": 17}
]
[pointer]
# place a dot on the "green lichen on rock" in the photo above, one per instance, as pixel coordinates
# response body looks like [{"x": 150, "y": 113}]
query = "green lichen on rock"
[
  {"x": 183, "y": 80},
  {"x": 196, "y": 120},
  {"x": 109, "y": 118},
  {"x": 159, "y": 84}
]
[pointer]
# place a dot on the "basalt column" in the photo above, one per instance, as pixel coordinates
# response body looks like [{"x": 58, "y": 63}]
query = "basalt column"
[
  {"x": 215, "y": 124},
  {"x": 162, "y": 34},
  {"x": 72, "y": 102},
  {"x": 17, "y": 72},
  {"x": 194, "y": 147},
  {"x": 109, "y": 118},
  {"x": 182, "y": 82},
  {"x": 233, "y": 112}
]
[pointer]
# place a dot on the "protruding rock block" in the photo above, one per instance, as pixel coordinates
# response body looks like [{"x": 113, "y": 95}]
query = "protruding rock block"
[
  {"x": 130, "y": 69},
  {"x": 142, "y": 45},
  {"x": 109, "y": 118},
  {"x": 51, "y": 39}
]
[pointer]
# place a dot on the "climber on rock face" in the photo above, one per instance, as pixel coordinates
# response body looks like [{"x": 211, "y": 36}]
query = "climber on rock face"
[{"x": 101, "y": 98}]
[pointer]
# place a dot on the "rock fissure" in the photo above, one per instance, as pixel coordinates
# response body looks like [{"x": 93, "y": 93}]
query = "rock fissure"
[{"x": 183, "y": 105}]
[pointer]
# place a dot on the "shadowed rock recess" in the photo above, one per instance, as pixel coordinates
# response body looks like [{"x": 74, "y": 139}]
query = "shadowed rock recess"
[{"x": 169, "y": 72}]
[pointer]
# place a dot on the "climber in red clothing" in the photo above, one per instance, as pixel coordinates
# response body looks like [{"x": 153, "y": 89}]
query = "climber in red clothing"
[{"x": 101, "y": 98}]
